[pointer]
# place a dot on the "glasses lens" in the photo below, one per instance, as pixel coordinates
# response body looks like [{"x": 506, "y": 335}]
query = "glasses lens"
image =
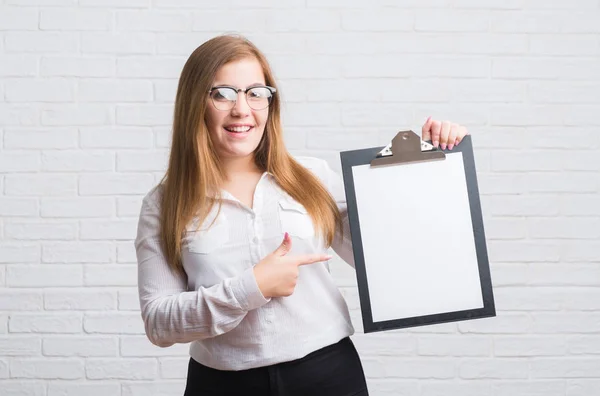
[
  {"x": 224, "y": 98},
  {"x": 259, "y": 98}
]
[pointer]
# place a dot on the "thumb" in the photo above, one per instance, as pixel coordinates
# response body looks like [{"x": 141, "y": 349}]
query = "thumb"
[
  {"x": 285, "y": 246},
  {"x": 426, "y": 129}
]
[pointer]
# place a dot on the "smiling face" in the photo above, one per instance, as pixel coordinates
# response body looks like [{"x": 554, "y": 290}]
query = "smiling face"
[{"x": 237, "y": 132}]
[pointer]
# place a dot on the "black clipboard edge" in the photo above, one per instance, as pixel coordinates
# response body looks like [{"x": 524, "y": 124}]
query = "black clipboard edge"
[{"x": 363, "y": 157}]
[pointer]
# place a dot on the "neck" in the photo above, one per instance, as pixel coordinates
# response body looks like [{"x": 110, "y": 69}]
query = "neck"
[{"x": 239, "y": 165}]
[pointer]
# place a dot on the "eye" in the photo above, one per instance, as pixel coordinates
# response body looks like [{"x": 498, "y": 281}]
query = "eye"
[
  {"x": 224, "y": 94},
  {"x": 259, "y": 93}
]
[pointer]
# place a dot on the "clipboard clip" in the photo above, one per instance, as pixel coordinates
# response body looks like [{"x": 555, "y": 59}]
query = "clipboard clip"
[{"x": 406, "y": 148}]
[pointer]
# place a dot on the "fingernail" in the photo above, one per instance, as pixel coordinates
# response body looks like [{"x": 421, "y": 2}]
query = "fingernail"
[
  {"x": 443, "y": 146},
  {"x": 285, "y": 236},
  {"x": 435, "y": 143},
  {"x": 450, "y": 146},
  {"x": 328, "y": 257}
]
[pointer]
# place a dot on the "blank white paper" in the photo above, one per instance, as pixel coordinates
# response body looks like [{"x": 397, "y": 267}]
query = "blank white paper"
[{"x": 417, "y": 237}]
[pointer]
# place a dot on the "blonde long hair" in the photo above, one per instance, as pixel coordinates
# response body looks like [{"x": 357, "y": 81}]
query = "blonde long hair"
[{"x": 194, "y": 171}]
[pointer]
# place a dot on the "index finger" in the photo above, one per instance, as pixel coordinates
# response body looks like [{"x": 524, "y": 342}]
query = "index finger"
[
  {"x": 426, "y": 129},
  {"x": 312, "y": 258}
]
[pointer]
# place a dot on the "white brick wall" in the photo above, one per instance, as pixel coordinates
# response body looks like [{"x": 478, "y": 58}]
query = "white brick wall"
[{"x": 86, "y": 96}]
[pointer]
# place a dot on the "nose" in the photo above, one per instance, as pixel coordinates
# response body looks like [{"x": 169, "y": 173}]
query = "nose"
[{"x": 240, "y": 108}]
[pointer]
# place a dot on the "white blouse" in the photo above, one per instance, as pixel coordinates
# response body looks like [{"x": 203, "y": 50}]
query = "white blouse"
[{"x": 219, "y": 307}]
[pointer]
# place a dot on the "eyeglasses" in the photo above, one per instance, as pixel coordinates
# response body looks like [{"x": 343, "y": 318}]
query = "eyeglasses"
[{"x": 257, "y": 97}]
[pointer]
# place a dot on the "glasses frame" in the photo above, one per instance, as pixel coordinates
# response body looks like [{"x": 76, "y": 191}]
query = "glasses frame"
[{"x": 245, "y": 91}]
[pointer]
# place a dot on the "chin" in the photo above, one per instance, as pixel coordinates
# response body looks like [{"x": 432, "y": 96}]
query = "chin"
[
  {"x": 238, "y": 153},
  {"x": 239, "y": 150}
]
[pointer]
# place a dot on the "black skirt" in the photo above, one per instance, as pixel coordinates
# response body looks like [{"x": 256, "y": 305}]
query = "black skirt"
[{"x": 335, "y": 370}]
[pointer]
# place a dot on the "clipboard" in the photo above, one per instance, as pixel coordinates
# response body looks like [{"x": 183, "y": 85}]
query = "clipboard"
[{"x": 417, "y": 234}]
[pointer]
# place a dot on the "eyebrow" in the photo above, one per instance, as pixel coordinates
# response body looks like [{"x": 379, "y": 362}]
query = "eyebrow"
[{"x": 233, "y": 86}]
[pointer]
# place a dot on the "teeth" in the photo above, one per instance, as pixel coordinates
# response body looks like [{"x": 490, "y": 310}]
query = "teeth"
[{"x": 239, "y": 129}]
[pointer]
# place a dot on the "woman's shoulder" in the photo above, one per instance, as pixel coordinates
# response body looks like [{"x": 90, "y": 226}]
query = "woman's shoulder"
[
  {"x": 331, "y": 178},
  {"x": 318, "y": 166},
  {"x": 153, "y": 198}
]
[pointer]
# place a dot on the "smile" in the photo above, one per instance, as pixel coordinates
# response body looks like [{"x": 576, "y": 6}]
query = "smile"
[{"x": 239, "y": 129}]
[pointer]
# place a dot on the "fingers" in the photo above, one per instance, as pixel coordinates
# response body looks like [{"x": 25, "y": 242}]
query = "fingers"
[
  {"x": 285, "y": 246},
  {"x": 444, "y": 133},
  {"x": 312, "y": 258},
  {"x": 426, "y": 129},
  {"x": 436, "y": 128},
  {"x": 457, "y": 133},
  {"x": 452, "y": 136}
]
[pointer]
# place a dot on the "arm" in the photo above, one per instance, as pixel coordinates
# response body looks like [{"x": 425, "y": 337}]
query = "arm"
[
  {"x": 172, "y": 314},
  {"x": 342, "y": 245}
]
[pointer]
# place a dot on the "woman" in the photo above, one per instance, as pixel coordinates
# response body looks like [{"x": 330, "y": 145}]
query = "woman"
[{"x": 231, "y": 245}]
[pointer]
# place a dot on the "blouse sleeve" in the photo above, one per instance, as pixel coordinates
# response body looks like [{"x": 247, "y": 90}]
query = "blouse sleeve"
[
  {"x": 171, "y": 313},
  {"x": 342, "y": 243}
]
